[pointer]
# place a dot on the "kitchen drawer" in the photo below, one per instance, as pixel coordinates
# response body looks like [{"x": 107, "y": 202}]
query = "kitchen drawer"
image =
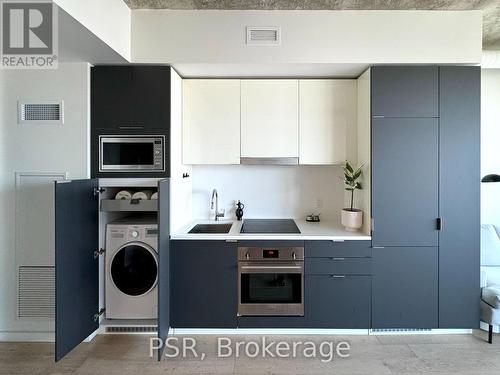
[
  {"x": 338, "y": 302},
  {"x": 346, "y": 249},
  {"x": 338, "y": 266}
]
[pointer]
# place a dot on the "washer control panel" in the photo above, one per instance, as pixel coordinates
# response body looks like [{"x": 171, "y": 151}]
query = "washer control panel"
[{"x": 134, "y": 232}]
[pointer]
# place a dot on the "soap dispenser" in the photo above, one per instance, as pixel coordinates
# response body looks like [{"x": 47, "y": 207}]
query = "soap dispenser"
[{"x": 239, "y": 210}]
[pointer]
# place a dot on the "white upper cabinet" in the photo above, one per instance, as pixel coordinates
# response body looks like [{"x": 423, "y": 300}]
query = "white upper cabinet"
[
  {"x": 211, "y": 121},
  {"x": 269, "y": 118},
  {"x": 327, "y": 113}
]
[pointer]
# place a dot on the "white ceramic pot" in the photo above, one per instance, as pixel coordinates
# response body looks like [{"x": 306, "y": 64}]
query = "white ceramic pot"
[{"x": 352, "y": 220}]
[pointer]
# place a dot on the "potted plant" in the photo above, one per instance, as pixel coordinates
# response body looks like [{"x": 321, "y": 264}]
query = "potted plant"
[{"x": 352, "y": 218}]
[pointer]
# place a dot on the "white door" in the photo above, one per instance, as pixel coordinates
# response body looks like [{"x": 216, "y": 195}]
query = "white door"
[
  {"x": 327, "y": 110},
  {"x": 269, "y": 118},
  {"x": 211, "y": 121}
]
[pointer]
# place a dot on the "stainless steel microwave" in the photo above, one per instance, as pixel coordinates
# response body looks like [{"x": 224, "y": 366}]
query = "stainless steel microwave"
[{"x": 131, "y": 153}]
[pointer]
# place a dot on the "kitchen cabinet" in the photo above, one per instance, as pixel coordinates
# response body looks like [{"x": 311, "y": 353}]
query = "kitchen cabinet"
[
  {"x": 459, "y": 125},
  {"x": 405, "y": 287},
  {"x": 269, "y": 118},
  {"x": 211, "y": 121},
  {"x": 132, "y": 98},
  {"x": 405, "y": 181},
  {"x": 78, "y": 259},
  {"x": 204, "y": 284},
  {"x": 405, "y": 91},
  {"x": 338, "y": 284},
  {"x": 337, "y": 300},
  {"x": 425, "y": 196},
  {"x": 343, "y": 249},
  {"x": 327, "y": 111},
  {"x": 338, "y": 265}
]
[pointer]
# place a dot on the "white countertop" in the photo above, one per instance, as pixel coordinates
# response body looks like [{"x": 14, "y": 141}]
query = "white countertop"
[{"x": 323, "y": 230}]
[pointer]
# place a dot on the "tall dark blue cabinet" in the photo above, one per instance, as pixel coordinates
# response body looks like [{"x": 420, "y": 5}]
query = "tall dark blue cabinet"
[
  {"x": 425, "y": 196},
  {"x": 77, "y": 262},
  {"x": 459, "y": 238}
]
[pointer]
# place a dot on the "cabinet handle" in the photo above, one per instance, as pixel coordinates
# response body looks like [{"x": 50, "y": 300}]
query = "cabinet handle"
[
  {"x": 439, "y": 224},
  {"x": 131, "y": 127},
  {"x": 338, "y": 276},
  {"x": 337, "y": 259}
]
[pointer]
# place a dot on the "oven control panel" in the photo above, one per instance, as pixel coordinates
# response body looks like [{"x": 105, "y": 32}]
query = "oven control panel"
[{"x": 270, "y": 253}]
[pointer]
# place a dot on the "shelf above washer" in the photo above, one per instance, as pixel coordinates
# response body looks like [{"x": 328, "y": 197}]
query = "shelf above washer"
[{"x": 108, "y": 205}]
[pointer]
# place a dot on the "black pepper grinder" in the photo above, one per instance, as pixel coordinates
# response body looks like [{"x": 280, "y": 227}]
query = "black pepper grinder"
[{"x": 239, "y": 210}]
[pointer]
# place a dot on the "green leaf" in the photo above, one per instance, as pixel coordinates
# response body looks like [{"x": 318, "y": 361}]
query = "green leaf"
[{"x": 348, "y": 167}]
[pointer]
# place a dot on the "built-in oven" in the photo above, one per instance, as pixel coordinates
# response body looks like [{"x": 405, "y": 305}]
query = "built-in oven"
[
  {"x": 270, "y": 281},
  {"x": 131, "y": 153}
]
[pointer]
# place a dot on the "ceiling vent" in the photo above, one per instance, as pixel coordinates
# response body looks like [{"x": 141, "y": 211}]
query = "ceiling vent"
[
  {"x": 263, "y": 36},
  {"x": 49, "y": 113}
]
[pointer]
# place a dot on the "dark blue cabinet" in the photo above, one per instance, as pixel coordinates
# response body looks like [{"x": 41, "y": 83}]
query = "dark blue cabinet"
[
  {"x": 425, "y": 196},
  {"x": 164, "y": 321},
  {"x": 405, "y": 91},
  {"x": 204, "y": 283},
  {"x": 78, "y": 311},
  {"x": 337, "y": 301},
  {"x": 77, "y": 269},
  {"x": 405, "y": 181},
  {"x": 405, "y": 287},
  {"x": 338, "y": 284},
  {"x": 130, "y": 98},
  {"x": 459, "y": 126}
]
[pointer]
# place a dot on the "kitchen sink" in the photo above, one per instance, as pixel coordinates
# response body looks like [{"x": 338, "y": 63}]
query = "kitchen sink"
[{"x": 211, "y": 228}]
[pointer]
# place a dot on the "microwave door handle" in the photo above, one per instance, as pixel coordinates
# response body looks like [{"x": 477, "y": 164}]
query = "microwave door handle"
[{"x": 130, "y": 127}]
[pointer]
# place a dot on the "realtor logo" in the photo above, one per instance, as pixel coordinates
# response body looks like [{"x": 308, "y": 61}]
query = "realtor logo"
[{"x": 29, "y": 34}]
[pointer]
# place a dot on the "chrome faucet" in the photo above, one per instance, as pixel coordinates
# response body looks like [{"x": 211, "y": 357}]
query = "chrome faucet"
[{"x": 217, "y": 212}]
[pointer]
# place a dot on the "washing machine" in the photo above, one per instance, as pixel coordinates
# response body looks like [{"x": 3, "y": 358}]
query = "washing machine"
[{"x": 131, "y": 261}]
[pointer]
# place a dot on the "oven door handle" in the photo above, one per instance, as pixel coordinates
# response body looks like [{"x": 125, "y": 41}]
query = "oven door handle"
[{"x": 271, "y": 267}]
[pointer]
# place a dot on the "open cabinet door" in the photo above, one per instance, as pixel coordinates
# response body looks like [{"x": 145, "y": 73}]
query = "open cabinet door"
[
  {"x": 77, "y": 272},
  {"x": 163, "y": 262}
]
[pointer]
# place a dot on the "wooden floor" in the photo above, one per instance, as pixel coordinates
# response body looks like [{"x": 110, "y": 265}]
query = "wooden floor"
[{"x": 123, "y": 355}]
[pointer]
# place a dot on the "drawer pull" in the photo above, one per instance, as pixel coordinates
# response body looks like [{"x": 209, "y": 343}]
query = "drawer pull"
[
  {"x": 338, "y": 259},
  {"x": 338, "y": 276}
]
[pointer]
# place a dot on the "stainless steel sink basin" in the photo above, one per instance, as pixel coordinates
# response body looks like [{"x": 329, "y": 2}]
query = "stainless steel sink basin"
[{"x": 211, "y": 228}]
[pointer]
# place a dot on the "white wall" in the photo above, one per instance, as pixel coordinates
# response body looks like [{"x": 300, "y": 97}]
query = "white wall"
[
  {"x": 270, "y": 191},
  {"x": 52, "y": 149},
  {"x": 109, "y": 20},
  {"x": 364, "y": 147},
  {"x": 366, "y": 37},
  {"x": 180, "y": 187},
  {"x": 490, "y": 149}
]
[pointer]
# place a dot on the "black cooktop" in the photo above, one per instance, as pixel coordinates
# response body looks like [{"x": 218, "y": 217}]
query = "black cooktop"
[{"x": 269, "y": 226}]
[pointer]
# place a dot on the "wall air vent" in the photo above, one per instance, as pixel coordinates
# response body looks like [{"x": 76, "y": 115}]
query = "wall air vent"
[
  {"x": 263, "y": 36},
  {"x": 36, "y": 292},
  {"x": 50, "y": 113}
]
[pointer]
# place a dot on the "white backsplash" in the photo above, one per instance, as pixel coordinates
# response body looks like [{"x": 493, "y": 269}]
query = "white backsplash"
[{"x": 269, "y": 191}]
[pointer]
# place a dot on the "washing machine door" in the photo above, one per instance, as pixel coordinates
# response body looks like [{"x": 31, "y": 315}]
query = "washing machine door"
[{"x": 134, "y": 269}]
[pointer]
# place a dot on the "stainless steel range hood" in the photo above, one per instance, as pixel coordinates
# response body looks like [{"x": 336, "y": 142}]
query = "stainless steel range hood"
[{"x": 270, "y": 161}]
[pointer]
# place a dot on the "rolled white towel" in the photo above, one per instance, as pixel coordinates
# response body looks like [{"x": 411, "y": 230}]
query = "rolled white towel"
[
  {"x": 123, "y": 194},
  {"x": 143, "y": 194},
  {"x": 155, "y": 195}
]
